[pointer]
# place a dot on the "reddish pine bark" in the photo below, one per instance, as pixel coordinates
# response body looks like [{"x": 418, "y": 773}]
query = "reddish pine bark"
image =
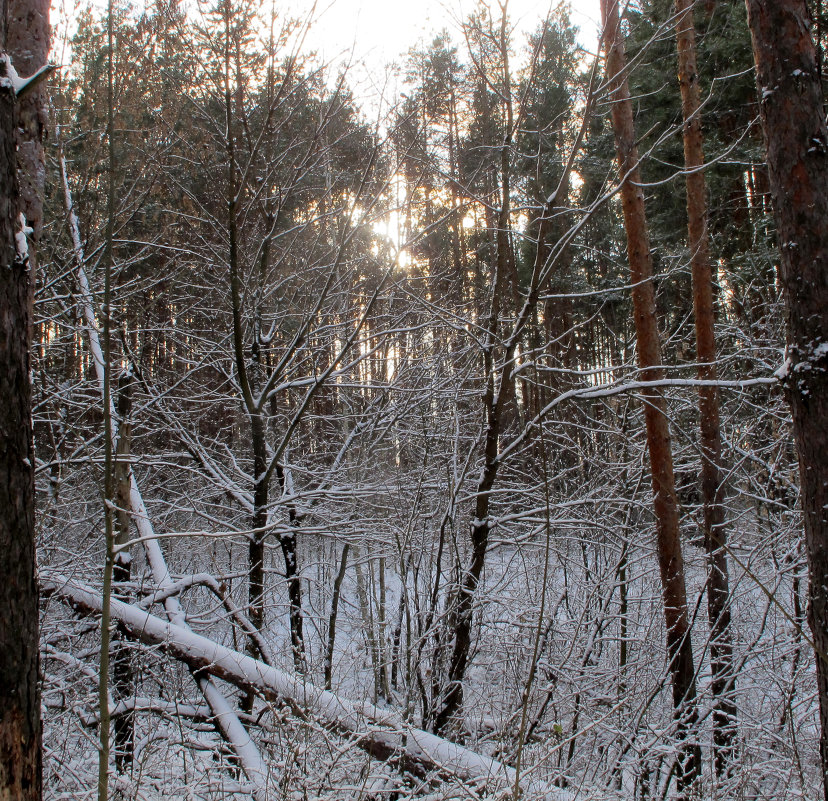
[
  {"x": 671, "y": 562},
  {"x": 715, "y": 533},
  {"x": 27, "y": 43},
  {"x": 796, "y": 137},
  {"x": 20, "y": 760}
]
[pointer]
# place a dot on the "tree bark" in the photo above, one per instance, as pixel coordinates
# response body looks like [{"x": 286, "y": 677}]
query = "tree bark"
[
  {"x": 337, "y": 589},
  {"x": 123, "y": 679},
  {"x": 715, "y": 534},
  {"x": 27, "y": 42},
  {"x": 293, "y": 577},
  {"x": 671, "y": 562},
  {"x": 796, "y": 138},
  {"x": 20, "y": 732}
]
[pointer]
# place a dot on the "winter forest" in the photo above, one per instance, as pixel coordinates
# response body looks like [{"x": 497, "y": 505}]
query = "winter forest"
[{"x": 438, "y": 440}]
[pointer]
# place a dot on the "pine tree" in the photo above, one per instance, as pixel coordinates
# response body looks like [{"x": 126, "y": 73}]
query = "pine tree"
[{"x": 20, "y": 747}]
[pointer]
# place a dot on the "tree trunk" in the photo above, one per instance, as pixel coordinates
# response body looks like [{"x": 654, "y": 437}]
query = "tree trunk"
[
  {"x": 288, "y": 544},
  {"x": 20, "y": 757},
  {"x": 258, "y": 521},
  {"x": 715, "y": 534},
  {"x": 27, "y": 42},
  {"x": 671, "y": 562},
  {"x": 123, "y": 680},
  {"x": 796, "y": 137},
  {"x": 496, "y": 408},
  {"x": 337, "y": 589},
  {"x": 380, "y": 731}
]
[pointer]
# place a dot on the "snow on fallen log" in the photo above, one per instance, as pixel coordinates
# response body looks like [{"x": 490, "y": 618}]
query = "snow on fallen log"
[{"x": 381, "y": 732}]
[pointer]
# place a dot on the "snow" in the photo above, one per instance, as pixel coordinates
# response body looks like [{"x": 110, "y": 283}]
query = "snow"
[
  {"x": 20, "y": 85},
  {"x": 380, "y": 728},
  {"x": 784, "y": 370},
  {"x": 788, "y": 367},
  {"x": 12, "y": 79},
  {"x": 21, "y": 244}
]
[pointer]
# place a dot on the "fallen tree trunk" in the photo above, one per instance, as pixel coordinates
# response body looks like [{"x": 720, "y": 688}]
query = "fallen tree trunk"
[{"x": 380, "y": 732}]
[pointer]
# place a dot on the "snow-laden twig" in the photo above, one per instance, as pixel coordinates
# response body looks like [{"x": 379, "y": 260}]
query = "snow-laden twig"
[
  {"x": 607, "y": 390},
  {"x": 383, "y": 733},
  {"x": 22, "y": 86},
  {"x": 209, "y": 581},
  {"x": 158, "y": 706}
]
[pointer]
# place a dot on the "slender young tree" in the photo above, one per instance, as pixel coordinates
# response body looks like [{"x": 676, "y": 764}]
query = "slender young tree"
[
  {"x": 796, "y": 137},
  {"x": 506, "y": 322},
  {"x": 494, "y": 402},
  {"x": 109, "y": 461},
  {"x": 715, "y": 533},
  {"x": 20, "y": 756},
  {"x": 123, "y": 679},
  {"x": 665, "y": 506}
]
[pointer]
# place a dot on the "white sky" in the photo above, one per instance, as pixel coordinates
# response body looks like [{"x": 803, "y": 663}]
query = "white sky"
[
  {"x": 379, "y": 32},
  {"x": 371, "y": 34},
  {"x": 383, "y": 29}
]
